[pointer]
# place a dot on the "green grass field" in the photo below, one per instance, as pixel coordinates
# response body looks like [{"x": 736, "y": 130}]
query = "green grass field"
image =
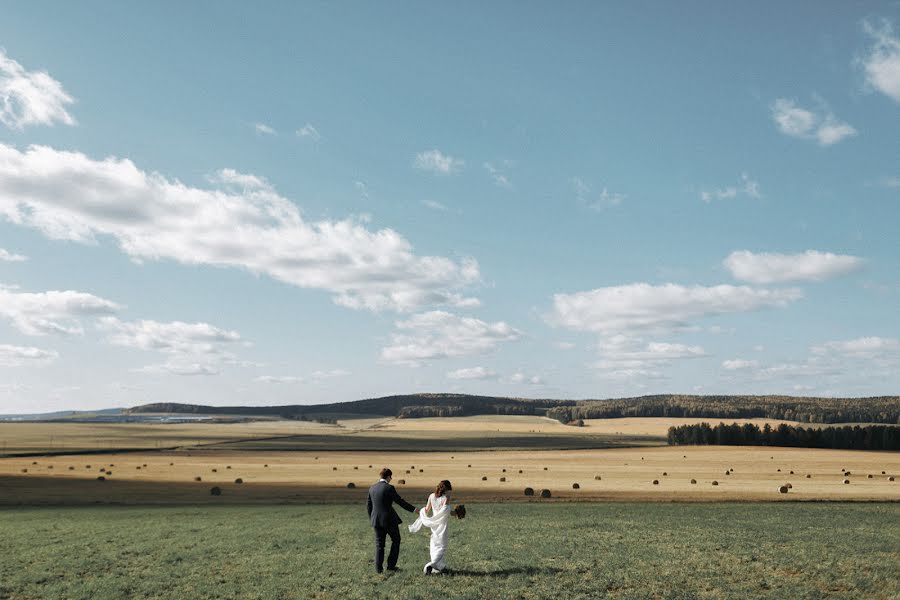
[{"x": 501, "y": 551}]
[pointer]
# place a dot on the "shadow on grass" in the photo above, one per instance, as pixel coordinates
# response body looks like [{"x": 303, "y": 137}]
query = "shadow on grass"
[{"x": 504, "y": 572}]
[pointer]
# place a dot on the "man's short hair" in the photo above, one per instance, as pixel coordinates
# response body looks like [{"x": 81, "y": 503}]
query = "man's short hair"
[{"x": 385, "y": 473}]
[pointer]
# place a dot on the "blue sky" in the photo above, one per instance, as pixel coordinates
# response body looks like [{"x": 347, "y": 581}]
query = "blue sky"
[{"x": 223, "y": 204}]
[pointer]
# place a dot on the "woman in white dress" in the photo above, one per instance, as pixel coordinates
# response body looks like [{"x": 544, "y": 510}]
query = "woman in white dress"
[{"x": 439, "y": 506}]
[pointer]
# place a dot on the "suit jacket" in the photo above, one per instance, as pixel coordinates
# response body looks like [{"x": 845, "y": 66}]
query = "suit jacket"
[{"x": 380, "y": 505}]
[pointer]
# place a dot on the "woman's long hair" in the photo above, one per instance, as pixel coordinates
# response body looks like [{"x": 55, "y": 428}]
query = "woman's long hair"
[{"x": 442, "y": 488}]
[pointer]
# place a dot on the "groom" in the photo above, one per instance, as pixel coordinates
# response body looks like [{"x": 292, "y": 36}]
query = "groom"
[{"x": 385, "y": 520}]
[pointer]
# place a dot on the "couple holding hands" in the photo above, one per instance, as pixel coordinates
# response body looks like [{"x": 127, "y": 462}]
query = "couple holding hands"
[{"x": 386, "y": 522}]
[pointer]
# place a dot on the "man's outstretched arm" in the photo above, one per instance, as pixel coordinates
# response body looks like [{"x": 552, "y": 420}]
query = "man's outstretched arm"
[{"x": 402, "y": 502}]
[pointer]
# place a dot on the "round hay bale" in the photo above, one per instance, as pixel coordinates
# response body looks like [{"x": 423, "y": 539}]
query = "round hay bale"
[
  {"x": 335, "y": 469},
  {"x": 847, "y": 474},
  {"x": 171, "y": 464},
  {"x": 715, "y": 482},
  {"x": 503, "y": 479},
  {"x": 545, "y": 468},
  {"x": 520, "y": 471},
  {"x": 239, "y": 481},
  {"x": 728, "y": 472},
  {"x": 101, "y": 478},
  {"x": 108, "y": 472},
  {"x": 266, "y": 466},
  {"x": 145, "y": 465},
  {"x": 112, "y": 465},
  {"x": 412, "y": 466},
  {"x": 504, "y": 470},
  {"x": 216, "y": 491},
  {"x": 138, "y": 468},
  {"x": 407, "y": 471},
  {"x": 791, "y": 473},
  {"x": 198, "y": 478},
  {"x": 891, "y": 478},
  {"x": 49, "y": 466},
  {"x": 665, "y": 474},
  {"x": 228, "y": 467},
  {"x": 89, "y": 466},
  {"x": 24, "y": 470},
  {"x": 421, "y": 470},
  {"x": 484, "y": 478},
  {"x": 529, "y": 492},
  {"x": 356, "y": 468},
  {"x": 869, "y": 476},
  {"x": 656, "y": 482},
  {"x": 34, "y": 462},
  {"x": 597, "y": 478},
  {"x": 545, "y": 493},
  {"x": 215, "y": 470},
  {"x": 73, "y": 468},
  {"x": 782, "y": 489},
  {"x": 468, "y": 466},
  {"x": 693, "y": 481},
  {"x": 882, "y": 473},
  {"x": 789, "y": 486},
  {"x": 808, "y": 476},
  {"x": 575, "y": 486},
  {"x": 402, "y": 482},
  {"x": 779, "y": 470},
  {"x": 846, "y": 481},
  {"x": 351, "y": 486},
  {"x": 370, "y": 466}
]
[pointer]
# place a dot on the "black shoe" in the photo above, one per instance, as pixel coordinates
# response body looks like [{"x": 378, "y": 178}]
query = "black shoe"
[{"x": 428, "y": 569}]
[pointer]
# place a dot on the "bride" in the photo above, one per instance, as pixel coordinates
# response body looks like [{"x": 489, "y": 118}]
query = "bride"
[{"x": 439, "y": 505}]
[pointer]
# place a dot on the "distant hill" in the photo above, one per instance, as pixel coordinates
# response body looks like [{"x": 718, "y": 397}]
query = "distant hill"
[{"x": 881, "y": 409}]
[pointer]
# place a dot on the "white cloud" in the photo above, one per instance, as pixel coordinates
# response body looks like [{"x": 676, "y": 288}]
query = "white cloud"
[
  {"x": 436, "y": 162},
  {"x": 472, "y": 373},
  {"x": 18, "y": 356},
  {"x": 263, "y": 129},
  {"x": 523, "y": 379},
  {"x": 811, "y": 265},
  {"x": 500, "y": 180},
  {"x": 30, "y": 97},
  {"x": 6, "y": 256},
  {"x": 623, "y": 355},
  {"x": 882, "y": 63},
  {"x": 58, "y": 312},
  {"x": 243, "y": 223},
  {"x": 564, "y": 345},
  {"x": 278, "y": 379},
  {"x": 310, "y": 132},
  {"x": 798, "y": 122},
  {"x": 860, "y": 347},
  {"x": 747, "y": 187},
  {"x": 362, "y": 188},
  {"x": 315, "y": 376},
  {"x": 644, "y": 306},
  {"x": 604, "y": 199},
  {"x": 433, "y": 205},
  {"x": 190, "y": 348},
  {"x": 739, "y": 363},
  {"x": 439, "y": 334}
]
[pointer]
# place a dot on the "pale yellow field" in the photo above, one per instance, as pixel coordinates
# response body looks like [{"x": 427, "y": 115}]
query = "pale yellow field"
[{"x": 627, "y": 474}]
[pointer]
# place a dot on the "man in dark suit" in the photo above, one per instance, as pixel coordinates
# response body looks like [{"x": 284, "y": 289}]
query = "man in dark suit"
[{"x": 385, "y": 519}]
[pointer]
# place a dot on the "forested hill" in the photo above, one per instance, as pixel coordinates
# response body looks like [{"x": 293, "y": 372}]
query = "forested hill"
[
  {"x": 406, "y": 406},
  {"x": 881, "y": 409}
]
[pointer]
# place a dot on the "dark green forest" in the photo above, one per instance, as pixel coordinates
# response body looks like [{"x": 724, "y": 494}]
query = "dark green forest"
[{"x": 868, "y": 437}]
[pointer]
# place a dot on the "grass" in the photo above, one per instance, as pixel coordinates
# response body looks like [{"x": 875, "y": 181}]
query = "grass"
[{"x": 614, "y": 550}]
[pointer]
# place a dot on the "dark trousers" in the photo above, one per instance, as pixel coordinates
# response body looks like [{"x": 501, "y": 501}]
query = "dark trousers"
[{"x": 381, "y": 533}]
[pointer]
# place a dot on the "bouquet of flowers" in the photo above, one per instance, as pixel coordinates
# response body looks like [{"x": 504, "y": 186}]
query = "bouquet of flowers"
[{"x": 459, "y": 511}]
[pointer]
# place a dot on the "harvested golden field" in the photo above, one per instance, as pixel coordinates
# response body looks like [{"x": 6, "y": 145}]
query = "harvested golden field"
[{"x": 753, "y": 473}]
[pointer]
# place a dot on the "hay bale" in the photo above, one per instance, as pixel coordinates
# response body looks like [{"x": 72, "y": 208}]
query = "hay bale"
[
  {"x": 891, "y": 478},
  {"x": 138, "y": 468},
  {"x": 597, "y": 478},
  {"x": 504, "y": 470},
  {"x": 354, "y": 468},
  {"x": 145, "y": 465},
  {"x": 49, "y": 466},
  {"x": 484, "y": 478},
  {"x": 73, "y": 468},
  {"x": 239, "y": 481},
  {"x": 421, "y": 470},
  {"x": 847, "y": 474},
  {"x": 171, "y": 464},
  {"x": 869, "y": 476},
  {"x": 468, "y": 466},
  {"x": 216, "y": 491},
  {"x": 198, "y": 478},
  {"x": 529, "y": 492},
  {"x": 882, "y": 473},
  {"x": 89, "y": 466},
  {"x": 34, "y": 462},
  {"x": 407, "y": 471},
  {"x": 370, "y": 466},
  {"x": 215, "y": 470},
  {"x": 503, "y": 479},
  {"x": 545, "y": 468},
  {"x": 665, "y": 474},
  {"x": 402, "y": 482},
  {"x": 575, "y": 486},
  {"x": 108, "y": 472},
  {"x": 545, "y": 493},
  {"x": 791, "y": 473},
  {"x": 715, "y": 482},
  {"x": 779, "y": 470},
  {"x": 101, "y": 478},
  {"x": 351, "y": 486},
  {"x": 520, "y": 471},
  {"x": 228, "y": 467},
  {"x": 656, "y": 482},
  {"x": 335, "y": 469},
  {"x": 693, "y": 481},
  {"x": 782, "y": 489},
  {"x": 789, "y": 486},
  {"x": 846, "y": 481},
  {"x": 728, "y": 472},
  {"x": 24, "y": 470},
  {"x": 266, "y": 466},
  {"x": 808, "y": 476}
]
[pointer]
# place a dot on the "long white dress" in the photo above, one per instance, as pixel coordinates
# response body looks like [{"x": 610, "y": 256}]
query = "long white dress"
[{"x": 437, "y": 523}]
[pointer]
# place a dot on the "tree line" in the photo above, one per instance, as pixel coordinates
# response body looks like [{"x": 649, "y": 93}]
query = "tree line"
[
  {"x": 868, "y": 437},
  {"x": 880, "y": 409}
]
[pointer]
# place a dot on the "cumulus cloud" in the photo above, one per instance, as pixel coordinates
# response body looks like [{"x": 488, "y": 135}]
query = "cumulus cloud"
[
  {"x": 882, "y": 61},
  {"x": 263, "y": 129},
  {"x": 18, "y": 356},
  {"x": 439, "y": 334},
  {"x": 472, "y": 373},
  {"x": 811, "y": 265},
  {"x": 242, "y": 223},
  {"x": 56, "y": 312},
  {"x": 500, "y": 180},
  {"x": 6, "y": 256},
  {"x": 747, "y": 187},
  {"x": 190, "y": 348},
  {"x": 822, "y": 126},
  {"x": 520, "y": 378},
  {"x": 622, "y": 357},
  {"x": 315, "y": 376},
  {"x": 436, "y": 162},
  {"x": 739, "y": 363},
  {"x": 309, "y": 131},
  {"x": 30, "y": 97},
  {"x": 859, "y": 347},
  {"x": 638, "y": 306}
]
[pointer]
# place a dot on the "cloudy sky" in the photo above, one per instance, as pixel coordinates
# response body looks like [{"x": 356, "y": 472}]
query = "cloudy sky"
[{"x": 222, "y": 204}]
